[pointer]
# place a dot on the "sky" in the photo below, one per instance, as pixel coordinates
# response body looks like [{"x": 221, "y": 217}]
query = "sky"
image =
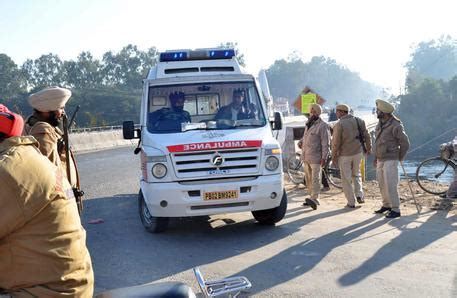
[{"x": 372, "y": 38}]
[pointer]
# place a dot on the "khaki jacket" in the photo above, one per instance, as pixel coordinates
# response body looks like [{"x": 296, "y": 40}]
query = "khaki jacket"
[
  {"x": 345, "y": 137},
  {"x": 43, "y": 249},
  {"x": 315, "y": 142},
  {"x": 48, "y": 137},
  {"x": 391, "y": 142}
]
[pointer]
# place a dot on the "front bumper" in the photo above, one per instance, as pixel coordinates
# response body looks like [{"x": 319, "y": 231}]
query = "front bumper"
[{"x": 186, "y": 198}]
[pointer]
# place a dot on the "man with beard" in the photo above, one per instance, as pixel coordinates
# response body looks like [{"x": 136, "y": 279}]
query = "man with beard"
[
  {"x": 237, "y": 109},
  {"x": 315, "y": 150},
  {"x": 46, "y": 125},
  {"x": 43, "y": 249},
  {"x": 170, "y": 119},
  {"x": 391, "y": 146},
  {"x": 350, "y": 137}
]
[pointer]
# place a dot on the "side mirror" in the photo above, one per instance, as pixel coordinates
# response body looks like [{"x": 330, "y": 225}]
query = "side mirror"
[
  {"x": 276, "y": 124},
  {"x": 128, "y": 130}
]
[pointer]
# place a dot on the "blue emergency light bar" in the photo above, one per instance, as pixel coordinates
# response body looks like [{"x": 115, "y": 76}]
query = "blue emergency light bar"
[
  {"x": 173, "y": 56},
  {"x": 197, "y": 55}
]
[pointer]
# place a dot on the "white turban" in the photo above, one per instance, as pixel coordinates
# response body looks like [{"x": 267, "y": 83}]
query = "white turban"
[
  {"x": 49, "y": 99},
  {"x": 384, "y": 106},
  {"x": 343, "y": 107},
  {"x": 316, "y": 107}
]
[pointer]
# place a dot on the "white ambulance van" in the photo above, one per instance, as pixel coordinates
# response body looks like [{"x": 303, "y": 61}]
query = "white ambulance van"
[{"x": 206, "y": 143}]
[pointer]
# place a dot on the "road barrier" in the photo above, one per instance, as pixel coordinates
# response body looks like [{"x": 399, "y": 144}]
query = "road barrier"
[{"x": 98, "y": 138}]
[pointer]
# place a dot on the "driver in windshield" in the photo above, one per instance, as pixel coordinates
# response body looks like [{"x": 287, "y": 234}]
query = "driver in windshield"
[
  {"x": 238, "y": 109},
  {"x": 172, "y": 117}
]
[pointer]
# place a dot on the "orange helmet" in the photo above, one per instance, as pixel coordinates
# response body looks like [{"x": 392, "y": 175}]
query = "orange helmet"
[{"x": 11, "y": 124}]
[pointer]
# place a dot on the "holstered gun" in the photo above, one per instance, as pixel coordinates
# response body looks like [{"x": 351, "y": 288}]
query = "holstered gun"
[{"x": 78, "y": 193}]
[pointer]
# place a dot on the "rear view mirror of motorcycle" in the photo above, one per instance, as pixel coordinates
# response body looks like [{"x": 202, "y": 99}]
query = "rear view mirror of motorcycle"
[{"x": 231, "y": 286}]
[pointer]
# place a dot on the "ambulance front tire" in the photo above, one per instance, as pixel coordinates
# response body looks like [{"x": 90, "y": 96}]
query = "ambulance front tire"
[
  {"x": 274, "y": 215},
  {"x": 151, "y": 224}
]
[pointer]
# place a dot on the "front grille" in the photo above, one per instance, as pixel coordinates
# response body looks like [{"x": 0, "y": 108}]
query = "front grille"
[{"x": 200, "y": 164}]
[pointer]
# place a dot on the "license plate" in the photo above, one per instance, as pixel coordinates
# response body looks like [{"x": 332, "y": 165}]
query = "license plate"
[{"x": 221, "y": 195}]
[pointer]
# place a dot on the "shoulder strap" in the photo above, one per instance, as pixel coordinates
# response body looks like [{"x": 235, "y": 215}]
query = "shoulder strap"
[{"x": 361, "y": 135}]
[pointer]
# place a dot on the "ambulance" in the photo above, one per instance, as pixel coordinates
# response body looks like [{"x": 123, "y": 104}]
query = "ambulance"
[{"x": 216, "y": 153}]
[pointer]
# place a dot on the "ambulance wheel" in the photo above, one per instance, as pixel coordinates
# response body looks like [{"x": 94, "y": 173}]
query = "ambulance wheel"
[
  {"x": 151, "y": 224},
  {"x": 274, "y": 215}
]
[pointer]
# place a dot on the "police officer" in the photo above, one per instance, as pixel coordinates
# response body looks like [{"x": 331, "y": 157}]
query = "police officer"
[
  {"x": 170, "y": 119},
  {"x": 45, "y": 125},
  {"x": 391, "y": 146},
  {"x": 315, "y": 149},
  {"x": 349, "y": 139},
  {"x": 43, "y": 249}
]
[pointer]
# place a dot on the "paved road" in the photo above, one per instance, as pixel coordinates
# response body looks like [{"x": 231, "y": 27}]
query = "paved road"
[{"x": 328, "y": 252}]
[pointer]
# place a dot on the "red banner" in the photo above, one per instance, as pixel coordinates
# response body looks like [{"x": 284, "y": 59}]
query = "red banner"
[{"x": 214, "y": 146}]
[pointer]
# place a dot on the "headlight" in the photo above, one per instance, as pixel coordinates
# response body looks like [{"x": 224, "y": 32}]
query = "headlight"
[
  {"x": 159, "y": 170},
  {"x": 272, "y": 163}
]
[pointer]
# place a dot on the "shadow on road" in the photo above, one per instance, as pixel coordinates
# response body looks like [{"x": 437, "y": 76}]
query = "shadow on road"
[
  {"x": 301, "y": 258},
  {"x": 124, "y": 254},
  {"x": 415, "y": 238}
]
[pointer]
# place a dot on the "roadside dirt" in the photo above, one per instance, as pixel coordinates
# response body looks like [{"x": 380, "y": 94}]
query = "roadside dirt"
[{"x": 373, "y": 197}]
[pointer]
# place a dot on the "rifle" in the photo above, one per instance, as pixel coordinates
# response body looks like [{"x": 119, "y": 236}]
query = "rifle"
[
  {"x": 69, "y": 157},
  {"x": 361, "y": 136}
]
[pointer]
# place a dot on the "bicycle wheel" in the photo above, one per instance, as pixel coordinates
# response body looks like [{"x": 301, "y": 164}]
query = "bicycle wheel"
[
  {"x": 295, "y": 169},
  {"x": 333, "y": 174},
  {"x": 434, "y": 175}
]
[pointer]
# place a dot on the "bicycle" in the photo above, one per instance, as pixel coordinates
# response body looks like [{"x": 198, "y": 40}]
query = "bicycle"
[
  {"x": 435, "y": 175},
  {"x": 297, "y": 175}
]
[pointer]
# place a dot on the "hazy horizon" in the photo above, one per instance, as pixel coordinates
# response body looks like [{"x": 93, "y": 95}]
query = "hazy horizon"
[{"x": 373, "y": 39}]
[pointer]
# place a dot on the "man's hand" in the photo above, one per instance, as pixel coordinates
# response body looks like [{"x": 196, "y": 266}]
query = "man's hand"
[
  {"x": 300, "y": 144},
  {"x": 375, "y": 163},
  {"x": 368, "y": 152}
]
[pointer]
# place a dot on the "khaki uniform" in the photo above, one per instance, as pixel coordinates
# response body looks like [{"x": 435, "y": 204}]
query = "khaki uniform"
[
  {"x": 48, "y": 137},
  {"x": 347, "y": 151},
  {"x": 391, "y": 146},
  {"x": 43, "y": 249},
  {"x": 315, "y": 147}
]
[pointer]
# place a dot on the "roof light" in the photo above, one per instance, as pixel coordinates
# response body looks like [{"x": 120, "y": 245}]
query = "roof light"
[
  {"x": 173, "y": 56},
  {"x": 222, "y": 54},
  {"x": 197, "y": 55}
]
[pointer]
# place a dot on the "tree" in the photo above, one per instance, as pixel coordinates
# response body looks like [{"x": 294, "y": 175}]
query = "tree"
[
  {"x": 45, "y": 71},
  {"x": 128, "y": 67},
  {"x": 83, "y": 73},
  {"x": 331, "y": 80},
  {"x": 12, "y": 82},
  {"x": 436, "y": 59},
  {"x": 428, "y": 111}
]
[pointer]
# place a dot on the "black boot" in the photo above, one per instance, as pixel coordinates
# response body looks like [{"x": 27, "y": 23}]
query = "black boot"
[
  {"x": 383, "y": 209},
  {"x": 393, "y": 214}
]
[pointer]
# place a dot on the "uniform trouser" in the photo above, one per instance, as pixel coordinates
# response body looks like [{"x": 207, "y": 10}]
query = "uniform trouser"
[
  {"x": 387, "y": 176},
  {"x": 350, "y": 174},
  {"x": 313, "y": 179}
]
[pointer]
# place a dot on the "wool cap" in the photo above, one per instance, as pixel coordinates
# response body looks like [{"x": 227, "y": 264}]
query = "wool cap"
[
  {"x": 49, "y": 99},
  {"x": 384, "y": 106},
  {"x": 343, "y": 107},
  {"x": 11, "y": 124}
]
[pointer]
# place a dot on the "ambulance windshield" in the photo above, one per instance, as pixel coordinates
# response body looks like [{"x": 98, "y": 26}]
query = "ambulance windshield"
[{"x": 178, "y": 108}]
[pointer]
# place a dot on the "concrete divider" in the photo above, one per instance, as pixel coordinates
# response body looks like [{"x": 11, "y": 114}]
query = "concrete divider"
[{"x": 98, "y": 140}]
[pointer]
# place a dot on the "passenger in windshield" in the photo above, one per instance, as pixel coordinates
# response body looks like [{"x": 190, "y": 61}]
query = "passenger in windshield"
[
  {"x": 169, "y": 119},
  {"x": 238, "y": 109}
]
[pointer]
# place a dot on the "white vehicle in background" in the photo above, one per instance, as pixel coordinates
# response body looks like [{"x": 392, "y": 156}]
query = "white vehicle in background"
[{"x": 208, "y": 165}]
